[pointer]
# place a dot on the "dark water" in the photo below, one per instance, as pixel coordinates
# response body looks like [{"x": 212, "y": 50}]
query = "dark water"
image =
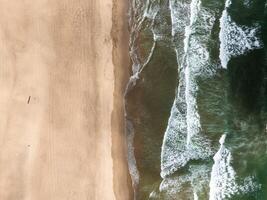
[{"x": 183, "y": 100}]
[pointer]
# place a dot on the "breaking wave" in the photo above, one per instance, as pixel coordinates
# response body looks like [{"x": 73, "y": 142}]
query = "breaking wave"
[
  {"x": 183, "y": 140},
  {"x": 223, "y": 177},
  {"x": 187, "y": 147},
  {"x": 236, "y": 39}
]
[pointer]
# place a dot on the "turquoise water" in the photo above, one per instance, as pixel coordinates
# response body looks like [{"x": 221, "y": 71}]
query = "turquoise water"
[{"x": 197, "y": 99}]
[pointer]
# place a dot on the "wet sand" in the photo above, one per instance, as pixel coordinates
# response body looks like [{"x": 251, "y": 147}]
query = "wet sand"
[{"x": 63, "y": 69}]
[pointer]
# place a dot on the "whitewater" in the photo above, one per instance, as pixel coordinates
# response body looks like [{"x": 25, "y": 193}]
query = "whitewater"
[
  {"x": 198, "y": 154},
  {"x": 183, "y": 140}
]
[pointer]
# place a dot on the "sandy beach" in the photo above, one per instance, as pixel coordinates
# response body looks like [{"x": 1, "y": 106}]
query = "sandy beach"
[{"x": 63, "y": 69}]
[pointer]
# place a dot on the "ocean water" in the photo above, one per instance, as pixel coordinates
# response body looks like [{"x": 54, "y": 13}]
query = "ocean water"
[{"x": 196, "y": 104}]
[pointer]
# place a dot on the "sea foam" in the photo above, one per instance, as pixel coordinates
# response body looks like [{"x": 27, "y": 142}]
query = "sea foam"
[
  {"x": 222, "y": 183},
  {"x": 183, "y": 140},
  {"x": 223, "y": 177},
  {"x": 186, "y": 186},
  {"x": 236, "y": 39}
]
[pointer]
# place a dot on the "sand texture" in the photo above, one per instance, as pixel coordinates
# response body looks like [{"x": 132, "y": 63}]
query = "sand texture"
[{"x": 62, "y": 77}]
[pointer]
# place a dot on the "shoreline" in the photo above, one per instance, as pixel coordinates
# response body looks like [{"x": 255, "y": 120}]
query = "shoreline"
[
  {"x": 121, "y": 61},
  {"x": 62, "y": 122}
]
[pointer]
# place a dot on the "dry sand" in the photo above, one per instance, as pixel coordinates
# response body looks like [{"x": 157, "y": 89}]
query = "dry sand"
[{"x": 62, "y": 76}]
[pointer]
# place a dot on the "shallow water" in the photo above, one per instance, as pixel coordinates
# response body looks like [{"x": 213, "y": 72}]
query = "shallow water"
[{"x": 197, "y": 99}]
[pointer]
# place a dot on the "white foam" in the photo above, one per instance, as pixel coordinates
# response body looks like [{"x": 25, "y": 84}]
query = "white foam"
[
  {"x": 223, "y": 177},
  {"x": 179, "y": 12},
  {"x": 222, "y": 139},
  {"x": 192, "y": 118},
  {"x": 187, "y": 186},
  {"x": 195, "y": 196},
  {"x": 236, "y": 39},
  {"x": 183, "y": 140},
  {"x": 222, "y": 182},
  {"x": 153, "y": 195},
  {"x": 151, "y": 9}
]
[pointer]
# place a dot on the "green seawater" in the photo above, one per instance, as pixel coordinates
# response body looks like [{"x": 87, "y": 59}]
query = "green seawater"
[{"x": 231, "y": 101}]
